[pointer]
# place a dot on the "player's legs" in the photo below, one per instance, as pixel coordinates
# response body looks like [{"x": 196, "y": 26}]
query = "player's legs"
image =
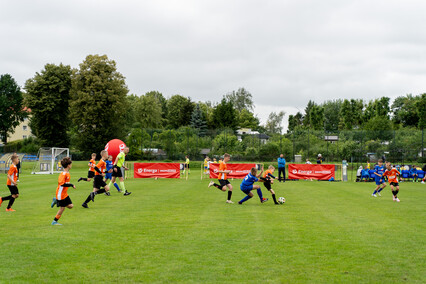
[
  {"x": 396, "y": 193},
  {"x": 376, "y": 189},
  {"x": 14, "y": 193},
  {"x": 220, "y": 186},
  {"x": 273, "y": 196},
  {"x": 382, "y": 186},
  {"x": 248, "y": 196},
  {"x": 229, "y": 186}
]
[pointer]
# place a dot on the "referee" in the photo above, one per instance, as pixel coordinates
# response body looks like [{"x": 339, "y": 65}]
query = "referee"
[{"x": 117, "y": 172}]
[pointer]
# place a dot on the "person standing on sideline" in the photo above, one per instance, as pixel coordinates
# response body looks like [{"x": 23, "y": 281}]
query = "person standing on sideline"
[
  {"x": 320, "y": 159},
  {"x": 281, "y": 168}
]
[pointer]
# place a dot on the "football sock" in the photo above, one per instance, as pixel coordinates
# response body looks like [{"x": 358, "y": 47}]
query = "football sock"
[
  {"x": 259, "y": 192},
  {"x": 380, "y": 189},
  {"x": 229, "y": 194},
  {"x": 85, "y": 179},
  {"x": 10, "y": 203},
  {"x": 57, "y": 218},
  {"x": 375, "y": 191},
  {"x": 275, "y": 199},
  {"x": 88, "y": 199},
  {"x": 218, "y": 186},
  {"x": 245, "y": 199},
  {"x": 396, "y": 192},
  {"x": 110, "y": 182},
  {"x": 102, "y": 190},
  {"x": 116, "y": 186},
  {"x": 122, "y": 186},
  {"x": 7, "y": 198}
]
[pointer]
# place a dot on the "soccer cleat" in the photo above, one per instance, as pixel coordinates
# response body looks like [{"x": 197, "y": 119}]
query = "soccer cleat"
[
  {"x": 397, "y": 200},
  {"x": 374, "y": 195},
  {"x": 393, "y": 198},
  {"x": 1, "y": 201},
  {"x": 84, "y": 205},
  {"x": 80, "y": 179},
  {"x": 56, "y": 223},
  {"x": 264, "y": 200},
  {"x": 127, "y": 193},
  {"x": 239, "y": 202},
  {"x": 211, "y": 184},
  {"x": 378, "y": 193},
  {"x": 54, "y": 202},
  {"x": 92, "y": 196},
  {"x": 107, "y": 193},
  {"x": 423, "y": 182},
  {"x": 229, "y": 201},
  {"x": 10, "y": 210}
]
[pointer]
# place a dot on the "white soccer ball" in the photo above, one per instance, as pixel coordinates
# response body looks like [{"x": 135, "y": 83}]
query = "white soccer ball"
[{"x": 281, "y": 200}]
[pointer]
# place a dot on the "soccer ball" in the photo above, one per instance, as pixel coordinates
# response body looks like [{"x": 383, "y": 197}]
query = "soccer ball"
[{"x": 281, "y": 200}]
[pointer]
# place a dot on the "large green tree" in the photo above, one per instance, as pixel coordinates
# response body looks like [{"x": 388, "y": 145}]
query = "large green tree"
[
  {"x": 48, "y": 96},
  {"x": 404, "y": 111},
  {"x": 246, "y": 119},
  {"x": 225, "y": 115},
  {"x": 274, "y": 123},
  {"x": 149, "y": 112},
  {"x": 421, "y": 111},
  {"x": 198, "y": 121},
  {"x": 163, "y": 103},
  {"x": 179, "y": 111},
  {"x": 331, "y": 115},
  {"x": 295, "y": 121},
  {"x": 241, "y": 99},
  {"x": 98, "y": 103},
  {"x": 12, "y": 111}
]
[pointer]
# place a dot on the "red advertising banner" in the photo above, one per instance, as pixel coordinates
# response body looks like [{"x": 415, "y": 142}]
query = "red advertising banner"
[
  {"x": 310, "y": 171},
  {"x": 160, "y": 170},
  {"x": 237, "y": 170}
]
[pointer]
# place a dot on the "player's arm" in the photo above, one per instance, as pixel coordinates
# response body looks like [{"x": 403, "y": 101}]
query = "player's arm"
[
  {"x": 270, "y": 175},
  {"x": 261, "y": 172},
  {"x": 67, "y": 184}
]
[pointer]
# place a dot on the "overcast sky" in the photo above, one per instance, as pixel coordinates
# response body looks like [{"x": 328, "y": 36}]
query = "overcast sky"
[{"x": 284, "y": 52}]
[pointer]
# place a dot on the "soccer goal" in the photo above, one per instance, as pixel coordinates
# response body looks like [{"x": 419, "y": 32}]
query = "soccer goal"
[{"x": 49, "y": 160}]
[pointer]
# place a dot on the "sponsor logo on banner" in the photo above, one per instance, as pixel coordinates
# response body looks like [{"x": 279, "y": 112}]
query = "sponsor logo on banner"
[
  {"x": 310, "y": 171},
  {"x": 159, "y": 170},
  {"x": 238, "y": 171}
]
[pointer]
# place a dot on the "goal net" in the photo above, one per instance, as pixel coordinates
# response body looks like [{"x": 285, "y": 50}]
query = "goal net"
[{"x": 49, "y": 160}]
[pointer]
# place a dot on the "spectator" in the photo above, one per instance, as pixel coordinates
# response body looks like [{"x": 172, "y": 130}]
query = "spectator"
[
  {"x": 365, "y": 174},
  {"x": 281, "y": 168},
  {"x": 424, "y": 170},
  {"x": 413, "y": 173},
  {"x": 358, "y": 174},
  {"x": 308, "y": 162}
]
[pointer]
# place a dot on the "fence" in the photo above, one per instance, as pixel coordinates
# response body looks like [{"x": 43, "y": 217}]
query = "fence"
[{"x": 355, "y": 146}]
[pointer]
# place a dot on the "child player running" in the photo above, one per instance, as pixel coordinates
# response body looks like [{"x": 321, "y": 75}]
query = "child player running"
[
  {"x": 379, "y": 169},
  {"x": 109, "y": 170},
  {"x": 91, "y": 173},
  {"x": 99, "y": 185},
  {"x": 223, "y": 178},
  {"x": 247, "y": 185},
  {"x": 391, "y": 174},
  {"x": 267, "y": 179},
  {"x": 12, "y": 182},
  {"x": 62, "y": 198}
]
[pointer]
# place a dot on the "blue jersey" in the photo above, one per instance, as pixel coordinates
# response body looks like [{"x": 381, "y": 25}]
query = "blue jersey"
[
  {"x": 109, "y": 165},
  {"x": 248, "y": 181},
  {"x": 379, "y": 170}
]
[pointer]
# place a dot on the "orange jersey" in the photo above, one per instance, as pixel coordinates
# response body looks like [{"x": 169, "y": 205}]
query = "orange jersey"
[
  {"x": 265, "y": 174},
  {"x": 13, "y": 172},
  {"x": 222, "y": 167},
  {"x": 392, "y": 174},
  {"x": 92, "y": 164},
  {"x": 101, "y": 166},
  {"x": 61, "y": 191}
]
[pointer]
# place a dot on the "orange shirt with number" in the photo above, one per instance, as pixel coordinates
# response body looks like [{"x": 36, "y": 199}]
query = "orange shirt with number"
[
  {"x": 222, "y": 167},
  {"x": 392, "y": 175},
  {"x": 92, "y": 164},
  {"x": 101, "y": 166},
  {"x": 13, "y": 172},
  {"x": 61, "y": 191}
]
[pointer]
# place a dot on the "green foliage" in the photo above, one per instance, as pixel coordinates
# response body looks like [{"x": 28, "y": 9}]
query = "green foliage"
[
  {"x": 241, "y": 100},
  {"x": 317, "y": 117},
  {"x": 163, "y": 103},
  {"x": 421, "y": 111},
  {"x": 48, "y": 96},
  {"x": 179, "y": 111},
  {"x": 331, "y": 115},
  {"x": 351, "y": 114},
  {"x": 198, "y": 121},
  {"x": 12, "y": 111},
  {"x": 149, "y": 112},
  {"x": 224, "y": 115},
  {"x": 29, "y": 145},
  {"x": 224, "y": 142},
  {"x": 404, "y": 111},
  {"x": 247, "y": 119},
  {"x": 98, "y": 103},
  {"x": 274, "y": 123},
  {"x": 295, "y": 121}
]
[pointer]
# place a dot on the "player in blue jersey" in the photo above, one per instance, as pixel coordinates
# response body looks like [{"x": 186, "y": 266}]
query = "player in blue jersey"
[
  {"x": 379, "y": 169},
  {"x": 109, "y": 169},
  {"x": 248, "y": 185}
]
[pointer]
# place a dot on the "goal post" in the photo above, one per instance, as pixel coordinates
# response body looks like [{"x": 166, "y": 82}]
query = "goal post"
[{"x": 49, "y": 160}]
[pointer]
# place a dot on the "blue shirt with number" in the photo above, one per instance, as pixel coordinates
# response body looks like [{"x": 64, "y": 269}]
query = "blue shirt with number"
[
  {"x": 248, "y": 181},
  {"x": 109, "y": 165},
  {"x": 379, "y": 170}
]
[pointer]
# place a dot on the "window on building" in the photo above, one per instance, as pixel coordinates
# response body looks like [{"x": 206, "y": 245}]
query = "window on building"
[
  {"x": 24, "y": 136},
  {"x": 25, "y": 127}
]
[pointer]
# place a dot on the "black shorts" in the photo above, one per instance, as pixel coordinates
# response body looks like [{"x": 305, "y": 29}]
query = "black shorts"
[
  {"x": 90, "y": 174},
  {"x": 99, "y": 182},
  {"x": 268, "y": 185},
  {"x": 223, "y": 182},
  {"x": 13, "y": 189},
  {"x": 394, "y": 183},
  {"x": 64, "y": 202},
  {"x": 117, "y": 173},
  {"x": 186, "y": 166}
]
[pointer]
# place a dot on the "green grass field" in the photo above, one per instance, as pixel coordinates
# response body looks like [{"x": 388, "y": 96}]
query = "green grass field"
[{"x": 182, "y": 231}]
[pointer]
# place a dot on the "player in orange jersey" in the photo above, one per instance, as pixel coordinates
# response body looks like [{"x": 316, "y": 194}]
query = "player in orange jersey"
[
  {"x": 99, "y": 185},
  {"x": 12, "y": 182},
  {"x": 267, "y": 179},
  {"x": 223, "y": 178},
  {"x": 91, "y": 173},
  {"x": 62, "y": 198},
  {"x": 391, "y": 174}
]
